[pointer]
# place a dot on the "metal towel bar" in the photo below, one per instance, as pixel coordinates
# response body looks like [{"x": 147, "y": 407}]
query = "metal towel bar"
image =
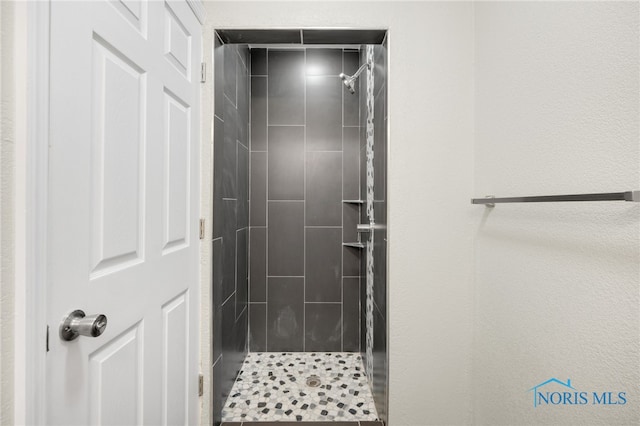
[{"x": 491, "y": 201}]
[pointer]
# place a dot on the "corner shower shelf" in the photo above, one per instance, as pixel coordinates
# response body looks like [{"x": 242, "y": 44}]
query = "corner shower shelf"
[
  {"x": 353, "y": 201},
  {"x": 354, "y": 245}
]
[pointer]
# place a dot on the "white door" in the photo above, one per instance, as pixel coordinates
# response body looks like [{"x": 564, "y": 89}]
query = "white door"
[{"x": 123, "y": 211}]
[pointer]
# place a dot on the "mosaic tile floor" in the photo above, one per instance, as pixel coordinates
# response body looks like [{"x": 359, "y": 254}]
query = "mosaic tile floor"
[{"x": 273, "y": 386}]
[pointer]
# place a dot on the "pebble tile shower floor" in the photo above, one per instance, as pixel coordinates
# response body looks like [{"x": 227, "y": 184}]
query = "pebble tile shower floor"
[{"x": 272, "y": 386}]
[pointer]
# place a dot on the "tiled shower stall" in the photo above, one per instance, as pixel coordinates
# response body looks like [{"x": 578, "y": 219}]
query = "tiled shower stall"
[{"x": 290, "y": 186}]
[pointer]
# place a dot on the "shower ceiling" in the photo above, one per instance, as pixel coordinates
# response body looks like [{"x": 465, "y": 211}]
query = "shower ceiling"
[{"x": 303, "y": 36}]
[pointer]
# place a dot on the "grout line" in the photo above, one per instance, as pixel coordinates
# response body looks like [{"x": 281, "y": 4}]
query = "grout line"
[
  {"x": 342, "y": 207},
  {"x": 304, "y": 208},
  {"x": 225, "y": 95},
  {"x": 250, "y": 91},
  {"x": 217, "y": 359},
  {"x": 236, "y": 49},
  {"x": 243, "y": 145},
  {"x": 266, "y": 207},
  {"x": 285, "y": 125},
  {"x": 285, "y": 276},
  {"x": 227, "y": 299},
  {"x": 235, "y": 272}
]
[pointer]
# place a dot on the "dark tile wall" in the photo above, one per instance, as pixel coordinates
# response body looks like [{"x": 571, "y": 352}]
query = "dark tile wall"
[
  {"x": 380, "y": 349},
  {"x": 304, "y": 160},
  {"x": 230, "y": 218}
]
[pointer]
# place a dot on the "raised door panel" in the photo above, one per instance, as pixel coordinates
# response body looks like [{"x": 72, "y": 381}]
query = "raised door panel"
[
  {"x": 175, "y": 358},
  {"x": 177, "y": 44},
  {"x": 116, "y": 380},
  {"x": 176, "y": 173},
  {"x": 134, "y": 12},
  {"x": 118, "y": 149}
]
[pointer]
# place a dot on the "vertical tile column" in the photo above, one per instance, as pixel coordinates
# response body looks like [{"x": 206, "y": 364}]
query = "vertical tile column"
[
  {"x": 298, "y": 287},
  {"x": 351, "y": 212},
  {"x": 258, "y": 204},
  {"x": 373, "y": 147},
  {"x": 230, "y": 217}
]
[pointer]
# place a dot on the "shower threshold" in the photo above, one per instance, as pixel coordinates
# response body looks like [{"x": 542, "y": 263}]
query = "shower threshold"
[{"x": 300, "y": 387}]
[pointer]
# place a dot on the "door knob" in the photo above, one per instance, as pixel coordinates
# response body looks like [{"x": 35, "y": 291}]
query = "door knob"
[{"x": 78, "y": 324}]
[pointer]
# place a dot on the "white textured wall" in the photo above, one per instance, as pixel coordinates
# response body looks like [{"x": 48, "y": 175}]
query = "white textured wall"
[
  {"x": 430, "y": 179},
  {"x": 557, "y": 286},
  {"x": 206, "y": 212},
  {"x": 7, "y": 148}
]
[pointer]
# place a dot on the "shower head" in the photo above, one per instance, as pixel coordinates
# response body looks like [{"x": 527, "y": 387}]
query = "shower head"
[{"x": 350, "y": 81}]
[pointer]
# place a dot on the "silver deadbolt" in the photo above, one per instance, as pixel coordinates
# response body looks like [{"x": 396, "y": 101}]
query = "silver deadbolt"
[{"x": 78, "y": 324}]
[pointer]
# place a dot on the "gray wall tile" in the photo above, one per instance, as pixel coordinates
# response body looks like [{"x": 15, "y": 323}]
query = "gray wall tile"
[
  {"x": 380, "y": 70},
  {"x": 218, "y": 176},
  {"x": 327, "y": 62},
  {"x": 323, "y": 260},
  {"x": 228, "y": 345},
  {"x": 258, "y": 61},
  {"x": 218, "y": 77},
  {"x": 351, "y": 110},
  {"x": 324, "y": 189},
  {"x": 219, "y": 392},
  {"x": 285, "y": 69},
  {"x": 258, "y": 113},
  {"x": 230, "y": 69},
  {"x": 242, "y": 282},
  {"x": 286, "y": 163},
  {"x": 351, "y": 62},
  {"x": 379, "y": 257},
  {"x": 350, "y": 220},
  {"x": 241, "y": 339},
  {"x": 380, "y": 363},
  {"x": 217, "y": 298},
  {"x": 258, "y": 197},
  {"x": 285, "y": 314},
  {"x": 243, "y": 186},
  {"x": 243, "y": 105},
  {"x": 258, "y": 327},
  {"x": 243, "y": 53},
  {"x": 286, "y": 238},
  {"x": 351, "y": 314},
  {"x": 324, "y": 114},
  {"x": 228, "y": 248},
  {"x": 229, "y": 151},
  {"x": 258, "y": 264},
  {"x": 351, "y": 259},
  {"x": 323, "y": 327},
  {"x": 351, "y": 163}
]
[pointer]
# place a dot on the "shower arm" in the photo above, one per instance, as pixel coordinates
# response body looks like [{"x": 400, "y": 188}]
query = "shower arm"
[{"x": 362, "y": 68}]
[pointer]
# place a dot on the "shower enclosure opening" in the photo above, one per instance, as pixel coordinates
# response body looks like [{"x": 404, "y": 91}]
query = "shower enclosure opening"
[{"x": 299, "y": 245}]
